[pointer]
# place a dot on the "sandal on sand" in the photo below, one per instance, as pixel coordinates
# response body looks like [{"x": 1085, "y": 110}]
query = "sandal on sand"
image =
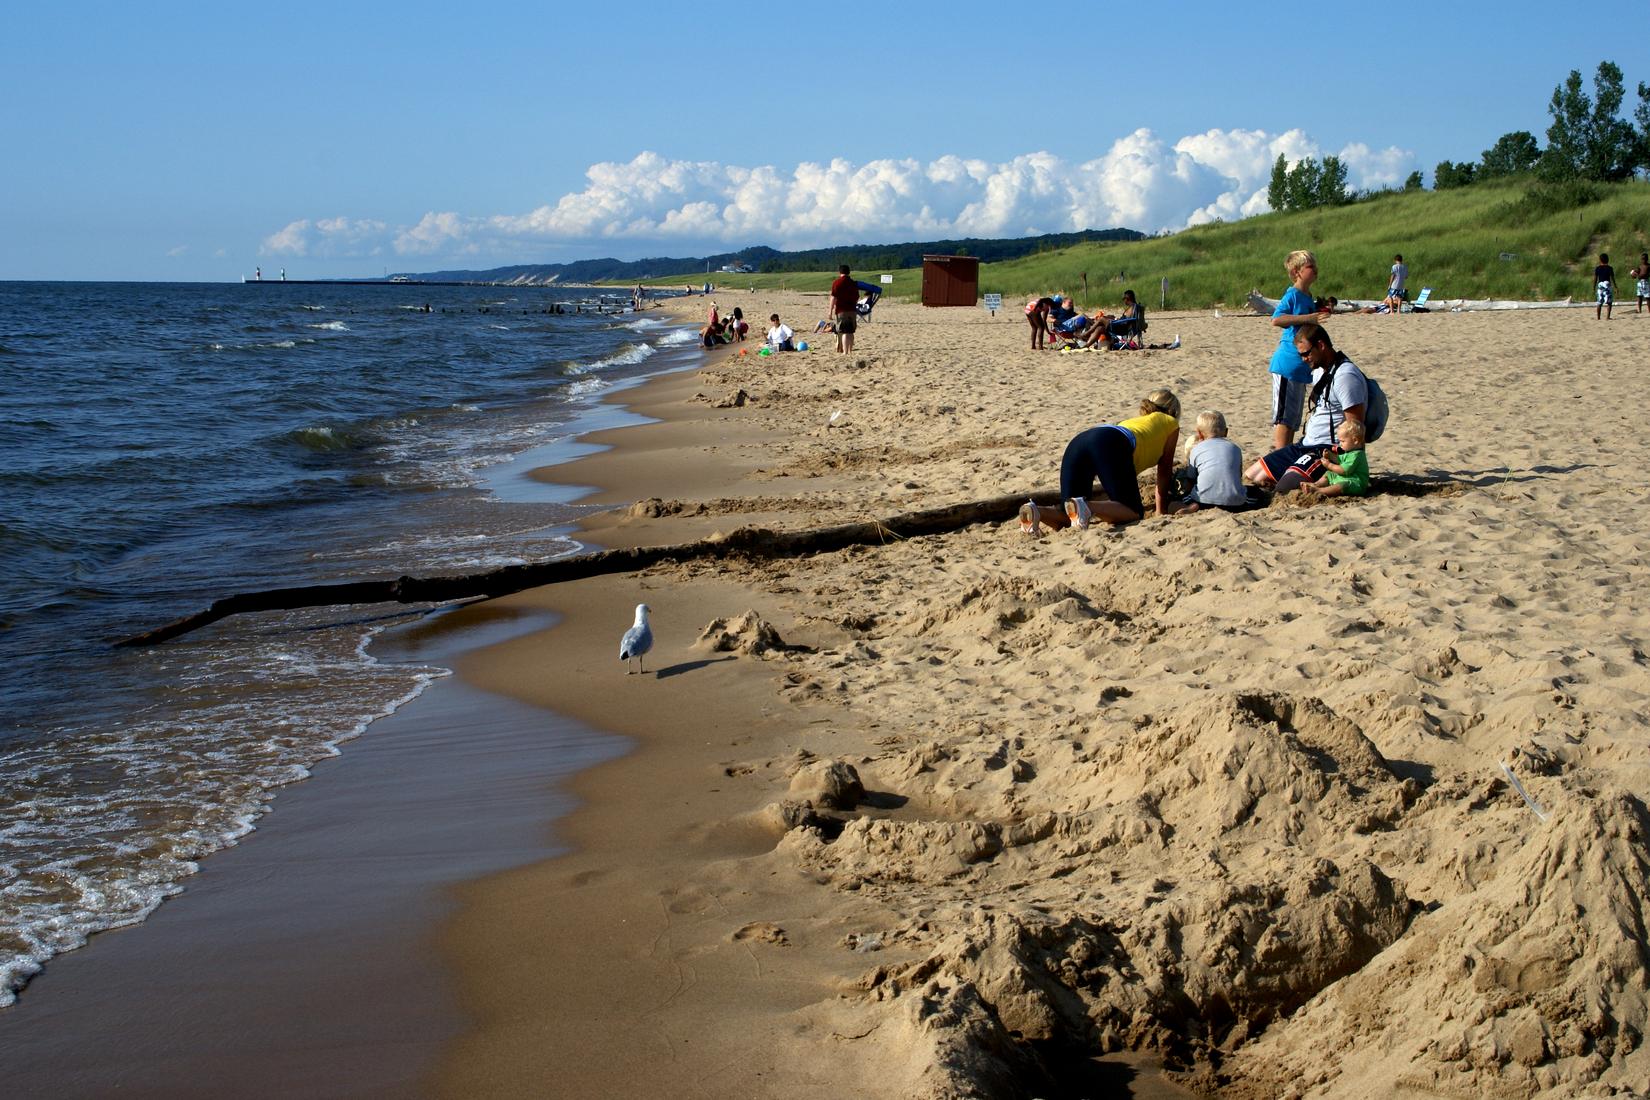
[
  {"x": 1077, "y": 510},
  {"x": 1030, "y": 518}
]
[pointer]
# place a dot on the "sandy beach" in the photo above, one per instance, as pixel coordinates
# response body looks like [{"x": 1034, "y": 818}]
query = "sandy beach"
[{"x": 1209, "y": 805}]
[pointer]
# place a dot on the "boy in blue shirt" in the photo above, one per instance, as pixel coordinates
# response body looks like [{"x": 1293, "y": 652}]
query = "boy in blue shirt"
[{"x": 1292, "y": 376}]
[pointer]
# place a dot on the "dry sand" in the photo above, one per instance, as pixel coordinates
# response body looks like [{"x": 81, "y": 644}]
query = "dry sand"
[{"x": 1215, "y": 793}]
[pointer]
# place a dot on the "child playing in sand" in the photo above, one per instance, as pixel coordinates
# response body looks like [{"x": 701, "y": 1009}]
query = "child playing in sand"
[
  {"x": 1291, "y": 376},
  {"x": 1218, "y": 465},
  {"x": 1349, "y": 476}
]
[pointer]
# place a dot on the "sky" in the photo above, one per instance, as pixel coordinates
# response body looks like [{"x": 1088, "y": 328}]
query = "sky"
[{"x": 183, "y": 141}]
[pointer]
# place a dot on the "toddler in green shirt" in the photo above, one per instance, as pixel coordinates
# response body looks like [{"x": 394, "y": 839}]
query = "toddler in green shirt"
[{"x": 1349, "y": 476}]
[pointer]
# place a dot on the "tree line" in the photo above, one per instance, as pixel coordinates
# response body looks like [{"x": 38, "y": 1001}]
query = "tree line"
[{"x": 1588, "y": 142}]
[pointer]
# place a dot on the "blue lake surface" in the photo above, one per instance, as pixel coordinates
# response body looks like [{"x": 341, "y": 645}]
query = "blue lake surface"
[{"x": 168, "y": 444}]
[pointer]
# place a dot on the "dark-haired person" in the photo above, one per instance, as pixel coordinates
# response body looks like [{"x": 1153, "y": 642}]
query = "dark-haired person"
[
  {"x": 1339, "y": 393},
  {"x": 844, "y": 297},
  {"x": 1642, "y": 274},
  {"x": 779, "y": 336},
  {"x": 1604, "y": 278},
  {"x": 1037, "y": 311}
]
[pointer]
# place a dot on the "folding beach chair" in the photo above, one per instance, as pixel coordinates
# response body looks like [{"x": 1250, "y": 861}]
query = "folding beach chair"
[
  {"x": 1419, "y": 305},
  {"x": 866, "y": 304},
  {"x": 1129, "y": 334}
]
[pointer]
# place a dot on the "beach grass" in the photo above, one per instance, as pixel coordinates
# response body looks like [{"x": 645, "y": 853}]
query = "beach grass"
[{"x": 1498, "y": 239}]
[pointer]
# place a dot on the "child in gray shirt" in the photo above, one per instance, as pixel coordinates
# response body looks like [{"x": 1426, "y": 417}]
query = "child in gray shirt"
[{"x": 1217, "y": 463}]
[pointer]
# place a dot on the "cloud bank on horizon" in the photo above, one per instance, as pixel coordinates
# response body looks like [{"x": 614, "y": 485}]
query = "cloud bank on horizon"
[{"x": 1141, "y": 182}]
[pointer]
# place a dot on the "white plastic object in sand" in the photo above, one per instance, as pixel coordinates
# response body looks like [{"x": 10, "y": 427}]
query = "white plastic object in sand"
[{"x": 1519, "y": 787}]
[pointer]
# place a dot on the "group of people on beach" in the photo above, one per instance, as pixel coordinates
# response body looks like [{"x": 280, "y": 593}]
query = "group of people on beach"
[
  {"x": 1056, "y": 317},
  {"x": 1309, "y": 375},
  {"x": 1604, "y": 280},
  {"x": 724, "y": 330}
]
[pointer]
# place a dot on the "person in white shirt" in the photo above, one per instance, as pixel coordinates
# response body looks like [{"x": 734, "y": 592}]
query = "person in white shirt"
[{"x": 779, "y": 336}]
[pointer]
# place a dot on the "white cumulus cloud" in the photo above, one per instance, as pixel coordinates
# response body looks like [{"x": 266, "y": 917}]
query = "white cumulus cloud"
[{"x": 1141, "y": 182}]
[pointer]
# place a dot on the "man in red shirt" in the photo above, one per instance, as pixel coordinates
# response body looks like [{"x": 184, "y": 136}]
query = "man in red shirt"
[{"x": 844, "y": 297}]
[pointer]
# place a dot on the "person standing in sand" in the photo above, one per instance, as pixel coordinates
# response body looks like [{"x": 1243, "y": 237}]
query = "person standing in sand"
[
  {"x": 1115, "y": 454},
  {"x": 1395, "y": 283},
  {"x": 844, "y": 297},
  {"x": 1642, "y": 274},
  {"x": 1290, "y": 374},
  {"x": 1037, "y": 310},
  {"x": 1604, "y": 278}
]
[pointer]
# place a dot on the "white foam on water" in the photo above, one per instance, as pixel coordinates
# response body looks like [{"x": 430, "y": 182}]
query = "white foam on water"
[
  {"x": 332, "y": 326},
  {"x": 80, "y": 855}
]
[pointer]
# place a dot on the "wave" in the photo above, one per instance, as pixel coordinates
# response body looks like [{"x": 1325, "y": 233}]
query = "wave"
[
  {"x": 133, "y": 853},
  {"x": 627, "y": 355},
  {"x": 675, "y": 338},
  {"x": 331, "y": 326}
]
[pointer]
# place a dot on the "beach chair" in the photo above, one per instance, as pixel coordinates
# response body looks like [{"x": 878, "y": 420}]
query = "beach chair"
[
  {"x": 1419, "y": 305},
  {"x": 1130, "y": 334},
  {"x": 873, "y": 294}
]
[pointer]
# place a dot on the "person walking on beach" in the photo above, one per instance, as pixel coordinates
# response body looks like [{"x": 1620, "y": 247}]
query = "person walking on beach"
[
  {"x": 1291, "y": 376},
  {"x": 1642, "y": 274},
  {"x": 844, "y": 297},
  {"x": 1604, "y": 278},
  {"x": 1395, "y": 284}
]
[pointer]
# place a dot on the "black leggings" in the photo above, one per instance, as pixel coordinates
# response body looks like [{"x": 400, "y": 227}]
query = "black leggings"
[{"x": 1107, "y": 453}]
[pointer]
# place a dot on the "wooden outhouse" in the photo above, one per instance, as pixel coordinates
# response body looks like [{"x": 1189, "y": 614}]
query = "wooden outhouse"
[{"x": 950, "y": 280}]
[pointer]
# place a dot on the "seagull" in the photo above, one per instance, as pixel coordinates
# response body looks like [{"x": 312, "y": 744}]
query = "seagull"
[{"x": 637, "y": 640}]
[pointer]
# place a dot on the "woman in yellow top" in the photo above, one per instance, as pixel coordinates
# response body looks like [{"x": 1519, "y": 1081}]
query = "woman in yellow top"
[{"x": 1115, "y": 454}]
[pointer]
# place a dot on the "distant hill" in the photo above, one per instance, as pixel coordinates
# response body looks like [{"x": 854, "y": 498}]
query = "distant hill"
[{"x": 767, "y": 260}]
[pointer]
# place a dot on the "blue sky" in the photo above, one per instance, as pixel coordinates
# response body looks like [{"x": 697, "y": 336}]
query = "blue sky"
[{"x": 187, "y": 141}]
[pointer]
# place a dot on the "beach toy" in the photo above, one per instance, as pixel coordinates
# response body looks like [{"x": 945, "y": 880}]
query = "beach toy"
[
  {"x": 764, "y": 351},
  {"x": 746, "y": 351},
  {"x": 803, "y": 346}
]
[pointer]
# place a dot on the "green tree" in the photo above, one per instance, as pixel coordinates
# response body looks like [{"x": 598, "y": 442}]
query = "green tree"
[
  {"x": 1413, "y": 181},
  {"x": 1612, "y": 146},
  {"x": 1588, "y": 138},
  {"x": 1448, "y": 175},
  {"x": 1277, "y": 192},
  {"x": 1331, "y": 189},
  {"x": 1511, "y": 155},
  {"x": 1570, "y": 108},
  {"x": 1641, "y": 115},
  {"x": 1304, "y": 179}
]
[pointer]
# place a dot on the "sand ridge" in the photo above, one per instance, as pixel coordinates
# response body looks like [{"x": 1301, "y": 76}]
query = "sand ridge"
[{"x": 1221, "y": 788}]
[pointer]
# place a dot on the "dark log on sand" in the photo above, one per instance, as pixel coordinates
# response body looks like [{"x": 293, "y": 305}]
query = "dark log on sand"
[{"x": 751, "y": 542}]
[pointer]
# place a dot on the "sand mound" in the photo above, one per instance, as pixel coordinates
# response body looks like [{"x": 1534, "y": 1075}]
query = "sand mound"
[
  {"x": 1534, "y": 983},
  {"x": 1161, "y": 888},
  {"x": 748, "y": 634}
]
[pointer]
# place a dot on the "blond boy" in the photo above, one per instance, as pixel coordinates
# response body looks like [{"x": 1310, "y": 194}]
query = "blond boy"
[{"x": 1217, "y": 463}]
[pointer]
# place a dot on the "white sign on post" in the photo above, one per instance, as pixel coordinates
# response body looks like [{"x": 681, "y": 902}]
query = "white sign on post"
[
  {"x": 887, "y": 278},
  {"x": 993, "y": 302}
]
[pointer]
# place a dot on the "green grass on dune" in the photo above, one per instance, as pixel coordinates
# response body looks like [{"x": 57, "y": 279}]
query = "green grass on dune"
[{"x": 1453, "y": 241}]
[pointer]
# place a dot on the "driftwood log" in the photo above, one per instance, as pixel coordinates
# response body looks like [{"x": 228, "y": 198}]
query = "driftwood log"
[{"x": 751, "y": 542}]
